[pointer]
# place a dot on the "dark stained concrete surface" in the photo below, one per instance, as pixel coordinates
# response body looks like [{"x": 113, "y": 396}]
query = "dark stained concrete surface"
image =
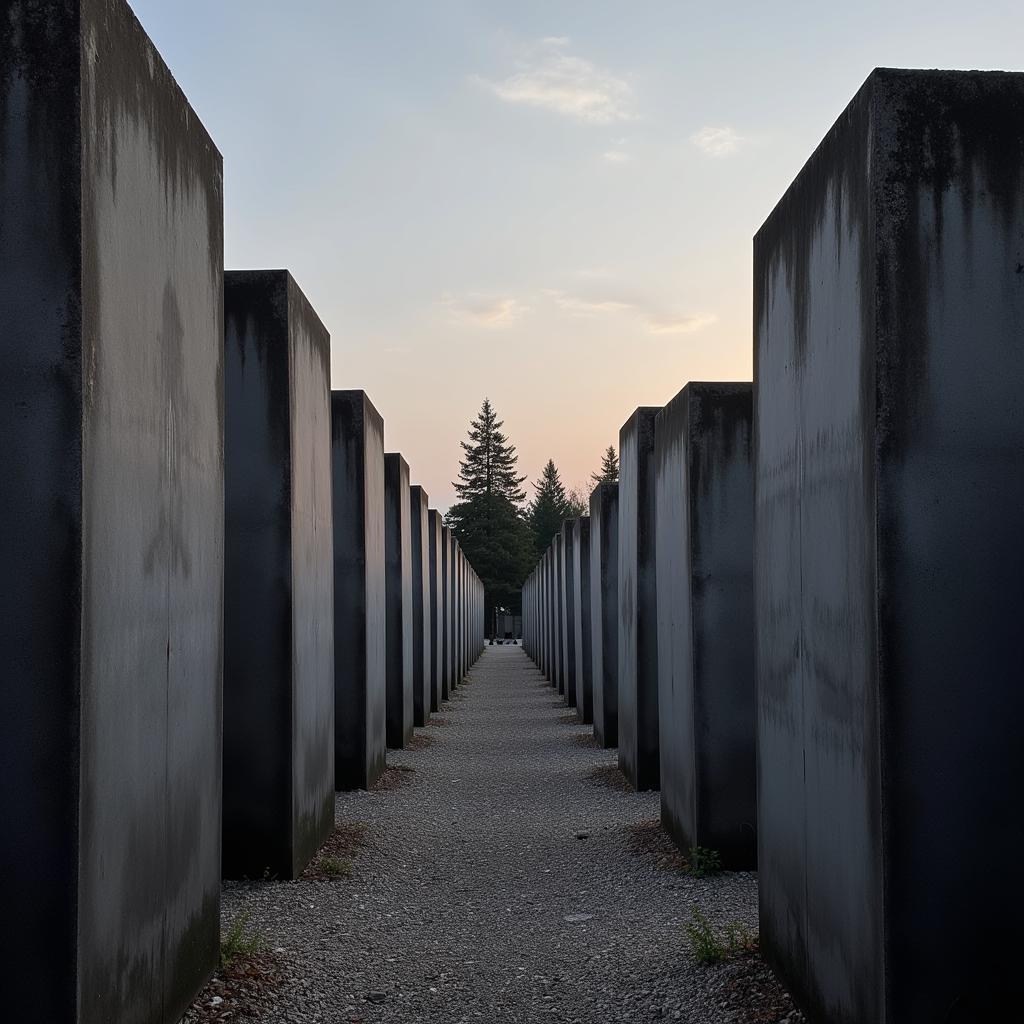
[
  {"x": 278, "y": 589},
  {"x": 436, "y": 608},
  {"x": 637, "y": 604},
  {"x": 581, "y": 624},
  {"x": 604, "y": 611},
  {"x": 704, "y": 514},
  {"x": 357, "y": 477},
  {"x": 446, "y": 625},
  {"x": 889, "y": 308},
  {"x": 398, "y": 598},
  {"x": 422, "y": 650},
  {"x": 568, "y": 611},
  {"x": 111, "y": 415}
]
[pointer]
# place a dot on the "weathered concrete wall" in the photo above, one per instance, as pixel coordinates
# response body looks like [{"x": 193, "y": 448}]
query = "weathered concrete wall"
[
  {"x": 557, "y": 613},
  {"x": 454, "y": 639},
  {"x": 889, "y": 308},
  {"x": 604, "y": 611},
  {"x": 545, "y": 622},
  {"x": 278, "y": 592},
  {"x": 581, "y": 624},
  {"x": 357, "y": 476},
  {"x": 398, "y": 599},
  {"x": 435, "y": 624},
  {"x": 422, "y": 650},
  {"x": 446, "y": 633},
  {"x": 460, "y": 614},
  {"x": 111, "y": 525},
  {"x": 639, "y": 756},
  {"x": 704, "y": 514},
  {"x": 568, "y": 612}
]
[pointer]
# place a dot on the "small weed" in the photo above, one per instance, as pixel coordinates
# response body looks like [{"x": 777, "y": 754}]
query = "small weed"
[
  {"x": 711, "y": 948},
  {"x": 335, "y": 867},
  {"x": 239, "y": 942},
  {"x": 701, "y": 862}
]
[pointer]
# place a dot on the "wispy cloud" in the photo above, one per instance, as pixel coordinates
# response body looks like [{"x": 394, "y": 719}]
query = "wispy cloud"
[
  {"x": 483, "y": 311},
  {"x": 578, "y": 305},
  {"x": 616, "y": 156},
  {"x": 717, "y": 141},
  {"x": 595, "y": 304},
  {"x": 553, "y": 79},
  {"x": 681, "y": 324}
]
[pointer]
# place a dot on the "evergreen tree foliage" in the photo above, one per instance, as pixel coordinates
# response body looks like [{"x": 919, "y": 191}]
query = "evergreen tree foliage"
[
  {"x": 609, "y": 471},
  {"x": 489, "y": 462},
  {"x": 487, "y": 520},
  {"x": 549, "y": 508}
]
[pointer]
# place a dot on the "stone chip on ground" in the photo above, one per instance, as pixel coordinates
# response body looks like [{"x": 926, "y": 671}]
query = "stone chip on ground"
[{"x": 474, "y": 900}]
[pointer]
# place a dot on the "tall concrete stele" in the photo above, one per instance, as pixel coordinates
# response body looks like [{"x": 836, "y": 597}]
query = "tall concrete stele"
[
  {"x": 604, "y": 611},
  {"x": 568, "y": 611},
  {"x": 398, "y": 598},
  {"x": 639, "y": 756},
  {"x": 446, "y": 617},
  {"x": 422, "y": 649},
  {"x": 889, "y": 318},
  {"x": 111, "y": 523},
  {"x": 360, "y": 690},
  {"x": 436, "y": 616},
  {"x": 581, "y": 632},
  {"x": 704, "y": 520},
  {"x": 278, "y": 583}
]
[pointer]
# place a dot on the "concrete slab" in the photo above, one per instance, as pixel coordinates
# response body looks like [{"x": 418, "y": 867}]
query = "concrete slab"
[
  {"x": 889, "y": 308},
  {"x": 278, "y": 588},
  {"x": 604, "y": 611},
  {"x": 421, "y": 647},
  {"x": 568, "y": 611},
  {"x": 639, "y": 757},
  {"x": 360, "y": 689},
  {"x": 111, "y": 524},
  {"x": 436, "y": 617},
  {"x": 400, "y": 671},
  {"x": 582, "y": 624},
  {"x": 704, "y": 515}
]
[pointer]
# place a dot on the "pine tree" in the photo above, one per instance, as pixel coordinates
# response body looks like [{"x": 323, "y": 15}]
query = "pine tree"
[
  {"x": 486, "y": 519},
  {"x": 489, "y": 463},
  {"x": 609, "y": 472},
  {"x": 549, "y": 508}
]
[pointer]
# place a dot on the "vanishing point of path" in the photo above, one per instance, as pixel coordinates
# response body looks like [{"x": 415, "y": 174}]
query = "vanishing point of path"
[{"x": 507, "y": 876}]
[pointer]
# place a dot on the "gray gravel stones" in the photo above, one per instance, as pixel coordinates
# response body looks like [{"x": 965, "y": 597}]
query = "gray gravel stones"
[{"x": 476, "y": 897}]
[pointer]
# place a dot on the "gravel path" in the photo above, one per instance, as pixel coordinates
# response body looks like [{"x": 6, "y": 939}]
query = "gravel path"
[{"x": 507, "y": 876}]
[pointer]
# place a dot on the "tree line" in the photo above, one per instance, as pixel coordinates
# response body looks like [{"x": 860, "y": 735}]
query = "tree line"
[{"x": 501, "y": 532}]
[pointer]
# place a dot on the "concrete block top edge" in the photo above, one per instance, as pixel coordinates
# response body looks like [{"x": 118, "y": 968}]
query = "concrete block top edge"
[
  {"x": 421, "y": 494},
  {"x": 940, "y": 87},
  {"x": 358, "y": 395},
  {"x": 705, "y": 389},
  {"x": 398, "y": 457},
  {"x": 639, "y": 413},
  {"x": 160, "y": 66},
  {"x": 601, "y": 490},
  {"x": 284, "y": 279}
]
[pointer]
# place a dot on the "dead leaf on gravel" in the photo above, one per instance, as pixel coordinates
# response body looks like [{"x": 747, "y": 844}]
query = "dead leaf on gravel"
[
  {"x": 609, "y": 775},
  {"x": 649, "y": 839},
  {"x": 393, "y": 777},
  {"x": 244, "y": 991},
  {"x": 342, "y": 847},
  {"x": 747, "y": 986}
]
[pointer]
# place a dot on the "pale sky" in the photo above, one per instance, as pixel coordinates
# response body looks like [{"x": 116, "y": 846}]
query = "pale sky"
[{"x": 550, "y": 203}]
